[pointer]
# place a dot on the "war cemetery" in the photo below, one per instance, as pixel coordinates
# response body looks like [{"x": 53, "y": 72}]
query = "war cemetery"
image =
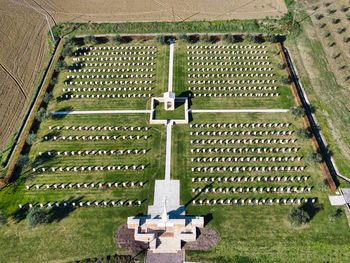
[{"x": 174, "y": 148}]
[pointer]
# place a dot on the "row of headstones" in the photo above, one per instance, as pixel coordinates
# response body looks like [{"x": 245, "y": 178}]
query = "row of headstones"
[
  {"x": 97, "y": 138},
  {"x": 232, "y": 81},
  {"x": 90, "y": 168},
  {"x": 108, "y": 89},
  {"x": 248, "y": 159},
  {"x": 241, "y": 133},
  {"x": 113, "y": 58},
  {"x": 251, "y": 179},
  {"x": 203, "y": 69},
  {"x": 227, "y": 58},
  {"x": 83, "y": 204},
  {"x": 237, "y": 169},
  {"x": 241, "y": 125},
  {"x": 87, "y": 96},
  {"x": 91, "y": 76},
  {"x": 278, "y": 189},
  {"x": 111, "y": 70},
  {"x": 246, "y": 75},
  {"x": 100, "y": 128},
  {"x": 233, "y": 88},
  {"x": 84, "y": 185},
  {"x": 112, "y": 53},
  {"x": 115, "y": 47},
  {"x": 91, "y": 152},
  {"x": 117, "y": 82},
  {"x": 246, "y": 150},
  {"x": 205, "y": 52},
  {"x": 124, "y": 64},
  {"x": 245, "y": 141},
  {"x": 228, "y": 63},
  {"x": 261, "y": 201},
  {"x": 227, "y": 47},
  {"x": 240, "y": 94}
]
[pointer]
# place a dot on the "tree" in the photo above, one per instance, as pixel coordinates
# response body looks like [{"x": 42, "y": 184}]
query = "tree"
[
  {"x": 53, "y": 81},
  {"x": 22, "y": 160},
  {"x": 206, "y": 38},
  {"x": 228, "y": 38},
  {"x": 41, "y": 115},
  {"x": 303, "y": 133},
  {"x": 67, "y": 50},
  {"x": 160, "y": 39},
  {"x": 272, "y": 38},
  {"x": 184, "y": 38},
  {"x": 90, "y": 40},
  {"x": 60, "y": 65},
  {"x": 313, "y": 158},
  {"x": 318, "y": 16},
  {"x": 48, "y": 97},
  {"x": 285, "y": 80},
  {"x": 250, "y": 38},
  {"x": 31, "y": 138},
  {"x": 36, "y": 217},
  {"x": 3, "y": 218},
  {"x": 281, "y": 66},
  {"x": 298, "y": 216},
  {"x": 117, "y": 39},
  {"x": 297, "y": 111}
]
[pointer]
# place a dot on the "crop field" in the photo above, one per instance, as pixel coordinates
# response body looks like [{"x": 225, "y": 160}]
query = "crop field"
[{"x": 241, "y": 171}]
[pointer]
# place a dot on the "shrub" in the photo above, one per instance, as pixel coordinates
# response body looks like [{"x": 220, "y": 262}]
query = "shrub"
[
  {"x": 22, "y": 160},
  {"x": 298, "y": 216},
  {"x": 326, "y": 4},
  {"x": 335, "y": 20},
  {"x": 303, "y": 133},
  {"x": 160, "y": 39},
  {"x": 313, "y": 158},
  {"x": 117, "y": 39},
  {"x": 31, "y": 138},
  {"x": 336, "y": 55},
  {"x": 3, "y": 218},
  {"x": 318, "y": 16},
  {"x": 42, "y": 114},
  {"x": 348, "y": 17},
  {"x": 285, "y": 80},
  {"x": 184, "y": 38},
  {"x": 331, "y": 44},
  {"x": 344, "y": 8},
  {"x": 36, "y": 217},
  {"x": 281, "y": 66},
  {"x": 297, "y": 111},
  {"x": 90, "y": 40},
  {"x": 272, "y": 38},
  {"x": 330, "y": 11},
  {"x": 206, "y": 38},
  {"x": 326, "y": 34},
  {"x": 61, "y": 64},
  {"x": 53, "y": 81},
  {"x": 228, "y": 38},
  {"x": 48, "y": 97},
  {"x": 346, "y": 39},
  {"x": 340, "y": 30},
  {"x": 335, "y": 214},
  {"x": 250, "y": 38},
  {"x": 322, "y": 25}
]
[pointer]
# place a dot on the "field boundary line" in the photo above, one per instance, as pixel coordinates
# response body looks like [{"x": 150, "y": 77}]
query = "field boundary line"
[
  {"x": 99, "y": 112},
  {"x": 29, "y": 117},
  {"x": 14, "y": 79},
  {"x": 242, "y": 111}
]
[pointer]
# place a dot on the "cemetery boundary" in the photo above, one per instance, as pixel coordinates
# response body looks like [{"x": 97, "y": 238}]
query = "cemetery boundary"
[
  {"x": 317, "y": 141},
  {"x": 29, "y": 120}
]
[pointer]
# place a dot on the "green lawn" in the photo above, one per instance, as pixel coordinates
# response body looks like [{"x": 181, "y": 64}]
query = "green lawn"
[{"x": 177, "y": 114}]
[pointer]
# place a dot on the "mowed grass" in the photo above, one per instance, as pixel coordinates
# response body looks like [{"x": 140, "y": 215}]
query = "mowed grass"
[
  {"x": 258, "y": 233},
  {"x": 78, "y": 233},
  {"x": 159, "y": 82},
  {"x": 284, "y": 101},
  {"x": 177, "y": 114}
]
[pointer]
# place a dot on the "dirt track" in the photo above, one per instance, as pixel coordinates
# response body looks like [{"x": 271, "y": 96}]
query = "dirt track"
[{"x": 24, "y": 46}]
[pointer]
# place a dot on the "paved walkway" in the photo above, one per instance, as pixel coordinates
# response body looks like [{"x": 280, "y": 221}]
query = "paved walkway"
[
  {"x": 171, "y": 63},
  {"x": 99, "y": 112},
  {"x": 242, "y": 111},
  {"x": 168, "y": 151}
]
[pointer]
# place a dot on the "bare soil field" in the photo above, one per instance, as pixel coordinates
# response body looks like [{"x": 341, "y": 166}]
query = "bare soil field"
[{"x": 24, "y": 46}]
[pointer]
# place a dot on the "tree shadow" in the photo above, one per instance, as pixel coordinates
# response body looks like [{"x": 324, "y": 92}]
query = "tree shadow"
[
  {"x": 311, "y": 208},
  {"x": 56, "y": 214},
  {"x": 192, "y": 39},
  {"x": 64, "y": 96},
  {"x": 61, "y": 116}
]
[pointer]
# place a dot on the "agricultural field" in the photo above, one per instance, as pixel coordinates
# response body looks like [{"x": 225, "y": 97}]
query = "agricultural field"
[
  {"x": 321, "y": 56},
  {"x": 241, "y": 171}
]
